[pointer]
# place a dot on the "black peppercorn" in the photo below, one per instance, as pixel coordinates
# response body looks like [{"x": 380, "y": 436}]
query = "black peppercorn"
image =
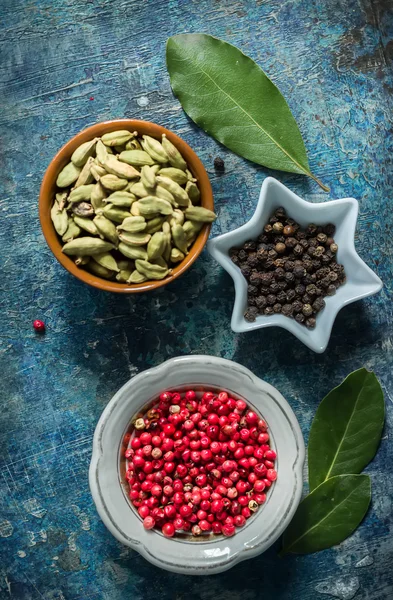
[
  {"x": 262, "y": 254},
  {"x": 260, "y": 302},
  {"x": 322, "y": 272},
  {"x": 268, "y": 310},
  {"x": 311, "y": 229},
  {"x": 281, "y": 297},
  {"x": 300, "y": 289},
  {"x": 300, "y": 318},
  {"x": 288, "y": 230},
  {"x": 252, "y": 259},
  {"x": 290, "y": 295},
  {"x": 280, "y": 248},
  {"x": 251, "y": 314},
  {"x": 289, "y": 265},
  {"x": 263, "y": 239},
  {"x": 243, "y": 255},
  {"x": 250, "y": 245},
  {"x": 273, "y": 220},
  {"x": 311, "y": 289},
  {"x": 268, "y": 228},
  {"x": 298, "y": 250},
  {"x": 282, "y": 285},
  {"x": 318, "y": 304},
  {"x": 252, "y": 290},
  {"x": 280, "y": 212},
  {"x": 297, "y": 306},
  {"x": 299, "y": 272},
  {"x": 252, "y": 300},
  {"x": 291, "y": 242},
  {"x": 331, "y": 290},
  {"x": 329, "y": 229},
  {"x": 219, "y": 164},
  {"x": 324, "y": 282},
  {"x": 277, "y": 307},
  {"x": 246, "y": 270},
  {"x": 322, "y": 237},
  {"x": 311, "y": 250},
  {"x": 306, "y": 299},
  {"x": 278, "y": 226},
  {"x": 266, "y": 278},
  {"x": 333, "y": 276},
  {"x": 304, "y": 243},
  {"x": 271, "y": 299},
  {"x": 289, "y": 277},
  {"x": 279, "y": 262},
  {"x": 235, "y": 259},
  {"x": 326, "y": 259},
  {"x": 307, "y": 279},
  {"x": 274, "y": 289},
  {"x": 279, "y": 273},
  {"x": 319, "y": 250},
  {"x": 310, "y": 323},
  {"x": 255, "y": 278},
  {"x": 313, "y": 242},
  {"x": 272, "y": 254},
  {"x": 333, "y": 248},
  {"x": 287, "y": 310},
  {"x": 269, "y": 263},
  {"x": 307, "y": 310}
]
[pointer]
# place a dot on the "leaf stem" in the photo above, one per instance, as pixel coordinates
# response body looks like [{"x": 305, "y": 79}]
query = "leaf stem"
[{"x": 324, "y": 187}]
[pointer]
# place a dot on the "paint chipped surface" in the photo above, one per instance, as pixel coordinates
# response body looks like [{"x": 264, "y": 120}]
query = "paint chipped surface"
[{"x": 94, "y": 61}]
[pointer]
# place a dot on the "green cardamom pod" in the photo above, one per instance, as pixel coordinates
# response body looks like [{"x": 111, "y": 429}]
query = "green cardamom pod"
[
  {"x": 124, "y": 264},
  {"x": 82, "y": 209},
  {"x": 68, "y": 175},
  {"x": 136, "y": 158},
  {"x": 148, "y": 178},
  {"x": 85, "y": 176},
  {"x": 174, "y": 157},
  {"x": 192, "y": 228},
  {"x": 122, "y": 199},
  {"x": 160, "y": 261},
  {"x": 61, "y": 199},
  {"x": 151, "y": 271},
  {"x": 116, "y": 138},
  {"x": 134, "y": 239},
  {"x": 135, "y": 209},
  {"x": 124, "y": 275},
  {"x": 99, "y": 270},
  {"x": 97, "y": 171},
  {"x": 81, "y": 261},
  {"x": 155, "y": 149},
  {"x": 176, "y": 217},
  {"x": 133, "y": 252},
  {"x": 59, "y": 219},
  {"x": 121, "y": 169},
  {"x": 174, "y": 188},
  {"x": 155, "y": 168},
  {"x": 113, "y": 183},
  {"x": 81, "y": 193},
  {"x": 162, "y": 193},
  {"x": 101, "y": 153},
  {"x": 177, "y": 175},
  {"x": 138, "y": 189},
  {"x": 86, "y": 246},
  {"x": 115, "y": 214},
  {"x": 105, "y": 259},
  {"x": 193, "y": 192},
  {"x": 80, "y": 156},
  {"x": 179, "y": 237},
  {"x": 106, "y": 229},
  {"x": 72, "y": 231},
  {"x": 86, "y": 224},
  {"x": 190, "y": 176},
  {"x": 133, "y": 144},
  {"x": 168, "y": 241},
  {"x": 136, "y": 277},
  {"x": 133, "y": 224},
  {"x": 198, "y": 213},
  {"x": 176, "y": 255},
  {"x": 156, "y": 245},
  {"x": 152, "y": 205},
  {"x": 98, "y": 194},
  {"x": 154, "y": 225}
]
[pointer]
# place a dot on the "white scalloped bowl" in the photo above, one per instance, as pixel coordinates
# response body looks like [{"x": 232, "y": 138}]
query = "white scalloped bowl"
[{"x": 210, "y": 554}]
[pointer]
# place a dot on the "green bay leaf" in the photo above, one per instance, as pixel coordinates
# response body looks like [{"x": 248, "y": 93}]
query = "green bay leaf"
[
  {"x": 328, "y": 515},
  {"x": 346, "y": 429},
  {"x": 230, "y": 97}
]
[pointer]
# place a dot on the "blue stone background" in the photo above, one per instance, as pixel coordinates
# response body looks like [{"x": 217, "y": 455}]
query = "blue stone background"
[{"x": 66, "y": 65}]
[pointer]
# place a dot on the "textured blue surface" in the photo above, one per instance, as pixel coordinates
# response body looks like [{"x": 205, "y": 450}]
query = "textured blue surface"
[{"x": 66, "y": 65}]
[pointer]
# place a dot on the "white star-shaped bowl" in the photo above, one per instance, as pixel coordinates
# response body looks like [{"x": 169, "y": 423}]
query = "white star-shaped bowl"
[{"x": 361, "y": 280}]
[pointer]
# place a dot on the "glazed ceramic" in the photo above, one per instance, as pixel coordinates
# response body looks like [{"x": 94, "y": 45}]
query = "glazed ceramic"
[
  {"x": 361, "y": 280},
  {"x": 48, "y": 189},
  {"x": 210, "y": 554}
]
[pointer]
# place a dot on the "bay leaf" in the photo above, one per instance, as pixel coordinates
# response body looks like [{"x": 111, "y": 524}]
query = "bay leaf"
[
  {"x": 346, "y": 429},
  {"x": 328, "y": 515},
  {"x": 231, "y": 98}
]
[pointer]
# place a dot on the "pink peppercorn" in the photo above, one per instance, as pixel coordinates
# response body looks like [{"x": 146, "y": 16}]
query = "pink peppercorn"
[{"x": 148, "y": 522}]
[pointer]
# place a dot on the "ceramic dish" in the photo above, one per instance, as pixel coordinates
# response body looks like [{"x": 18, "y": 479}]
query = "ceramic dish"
[
  {"x": 361, "y": 280},
  {"x": 48, "y": 189},
  {"x": 211, "y": 554}
]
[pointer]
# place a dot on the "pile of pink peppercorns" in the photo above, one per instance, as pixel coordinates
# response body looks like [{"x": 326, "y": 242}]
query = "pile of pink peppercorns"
[{"x": 199, "y": 462}]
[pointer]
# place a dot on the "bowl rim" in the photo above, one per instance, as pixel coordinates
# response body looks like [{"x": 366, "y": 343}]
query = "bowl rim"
[
  {"x": 314, "y": 339},
  {"x": 102, "y": 491},
  {"x": 63, "y": 156}
]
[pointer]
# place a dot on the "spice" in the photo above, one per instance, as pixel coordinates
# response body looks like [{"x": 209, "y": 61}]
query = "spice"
[
  {"x": 289, "y": 270},
  {"x": 39, "y": 326},
  {"x": 205, "y": 467},
  {"x": 219, "y": 164}
]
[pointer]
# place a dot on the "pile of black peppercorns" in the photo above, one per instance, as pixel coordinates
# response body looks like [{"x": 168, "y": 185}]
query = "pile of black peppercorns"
[{"x": 289, "y": 271}]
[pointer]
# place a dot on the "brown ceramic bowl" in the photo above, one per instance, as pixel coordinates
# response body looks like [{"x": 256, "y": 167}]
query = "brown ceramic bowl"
[{"x": 48, "y": 188}]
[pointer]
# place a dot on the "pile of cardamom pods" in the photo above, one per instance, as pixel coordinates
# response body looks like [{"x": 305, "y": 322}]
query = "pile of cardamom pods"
[{"x": 127, "y": 208}]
